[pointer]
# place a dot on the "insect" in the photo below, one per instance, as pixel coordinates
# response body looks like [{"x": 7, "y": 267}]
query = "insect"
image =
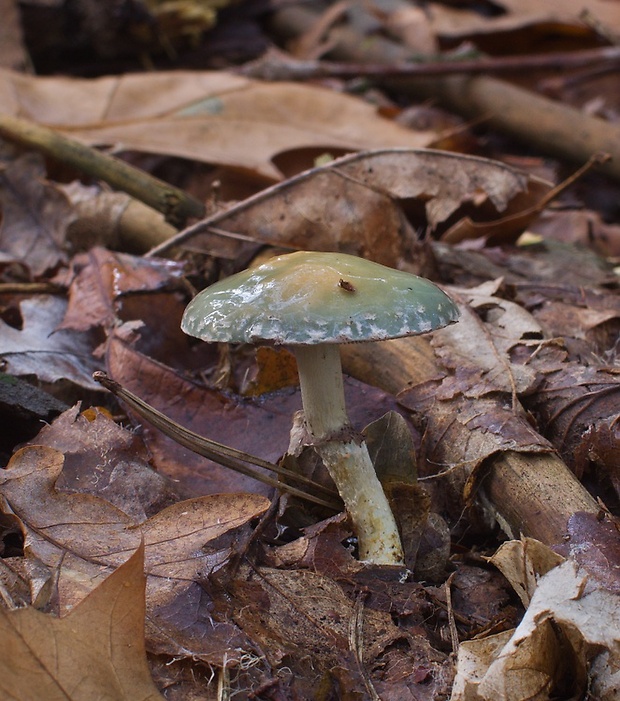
[{"x": 346, "y": 285}]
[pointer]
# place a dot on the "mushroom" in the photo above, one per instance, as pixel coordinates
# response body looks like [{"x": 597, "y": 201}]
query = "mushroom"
[{"x": 311, "y": 302}]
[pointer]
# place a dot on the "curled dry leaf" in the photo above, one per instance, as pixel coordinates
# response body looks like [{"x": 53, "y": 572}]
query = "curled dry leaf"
[
  {"x": 100, "y": 278},
  {"x": 480, "y": 344},
  {"x": 577, "y": 409},
  {"x": 82, "y": 538},
  {"x": 354, "y": 204},
  {"x": 586, "y": 316},
  {"x": 96, "y": 651},
  {"x": 460, "y": 435},
  {"x": 567, "y": 642},
  {"x": 459, "y": 24}
]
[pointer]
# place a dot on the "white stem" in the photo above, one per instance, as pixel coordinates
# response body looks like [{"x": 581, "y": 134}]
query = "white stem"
[
  {"x": 346, "y": 457},
  {"x": 322, "y": 389}
]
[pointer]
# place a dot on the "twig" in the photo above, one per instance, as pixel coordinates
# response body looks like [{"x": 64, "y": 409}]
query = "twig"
[
  {"x": 276, "y": 65},
  {"x": 176, "y": 205},
  {"x": 454, "y": 634},
  {"x": 222, "y": 454}
]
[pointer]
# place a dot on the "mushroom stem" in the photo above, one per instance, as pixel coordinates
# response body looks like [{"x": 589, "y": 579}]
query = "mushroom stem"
[
  {"x": 345, "y": 455},
  {"x": 322, "y": 389}
]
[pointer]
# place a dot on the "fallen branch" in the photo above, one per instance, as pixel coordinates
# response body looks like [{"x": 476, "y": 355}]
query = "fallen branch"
[{"x": 530, "y": 493}]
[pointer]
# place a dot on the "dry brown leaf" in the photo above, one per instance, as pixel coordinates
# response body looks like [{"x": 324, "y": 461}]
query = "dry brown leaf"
[
  {"x": 354, "y": 204},
  {"x": 457, "y": 23},
  {"x": 101, "y": 278},
  {"x": 216, "y": 117},
  {"x": 481, "y": 343},
  {"x": 586, "y": 316},
  {"x": 118, "y": 463},
  {"x": 581, "y": 226},
  {"x": 523, "y": 562},
  {"x": 95, "y": 652},
  {"x": 276, "y": 369},
  {"x": 573, "y": 405}
]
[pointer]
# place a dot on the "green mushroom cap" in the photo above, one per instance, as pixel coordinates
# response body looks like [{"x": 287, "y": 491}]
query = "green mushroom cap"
[{"x": 311, "y": 297}]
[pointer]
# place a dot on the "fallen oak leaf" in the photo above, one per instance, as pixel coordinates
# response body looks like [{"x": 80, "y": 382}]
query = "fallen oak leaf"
[
  {"x": 83, "y": 537},
  {"x": 96, "y": 651}
]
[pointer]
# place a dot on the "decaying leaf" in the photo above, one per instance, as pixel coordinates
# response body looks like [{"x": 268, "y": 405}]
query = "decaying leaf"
[
  {"x": 41, "y": 349},
  {"x": 573, "y": 403},
  {"x": 94, "y": 652},
  {"x": 297, "y": 616},
  {"x": 35, "y": 216},
  {"x": 480, "y": 344},
  {"x": 100, "y": 278},
  {"x": 82, "y": 538},
  {"x": 117, "y": 460}
]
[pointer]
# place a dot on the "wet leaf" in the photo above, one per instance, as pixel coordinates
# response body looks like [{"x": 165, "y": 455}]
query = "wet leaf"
[{"x": 95, "y": 651}]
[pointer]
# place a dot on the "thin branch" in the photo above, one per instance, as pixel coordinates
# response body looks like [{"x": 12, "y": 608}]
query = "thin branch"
[{"x": 279, "y": 66}]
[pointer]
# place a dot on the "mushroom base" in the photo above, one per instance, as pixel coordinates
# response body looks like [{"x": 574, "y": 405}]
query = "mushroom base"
[{"x": 351, "y": 468}]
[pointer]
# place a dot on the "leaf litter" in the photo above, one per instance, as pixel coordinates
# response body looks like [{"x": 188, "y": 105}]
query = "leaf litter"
[{"x": 269, "y": 597}]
